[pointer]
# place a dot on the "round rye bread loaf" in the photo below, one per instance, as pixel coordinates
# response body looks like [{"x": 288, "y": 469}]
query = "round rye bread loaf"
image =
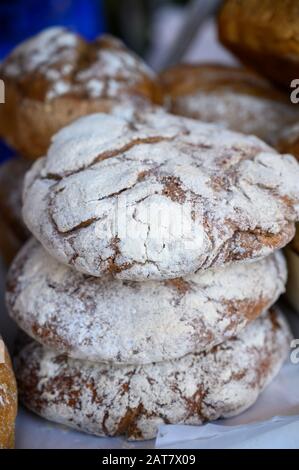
[
  {"x": 134, "y": 400},
  {"x": 155, "y": 196},
  {"x": 56, "y": 77},
  {"x": 110, "y": 320},
  {"x": 234, "y": 97}
]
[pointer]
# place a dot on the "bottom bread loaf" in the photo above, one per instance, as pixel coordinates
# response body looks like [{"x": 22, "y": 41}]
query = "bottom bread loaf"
[{"x": 134, "y": 400}]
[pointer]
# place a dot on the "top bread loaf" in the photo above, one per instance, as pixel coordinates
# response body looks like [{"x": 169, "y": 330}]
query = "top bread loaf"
[{"x": 149, "y": 195}]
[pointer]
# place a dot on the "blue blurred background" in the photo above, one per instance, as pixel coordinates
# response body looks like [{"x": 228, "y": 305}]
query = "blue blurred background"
[{"x": 20, "y": 19}]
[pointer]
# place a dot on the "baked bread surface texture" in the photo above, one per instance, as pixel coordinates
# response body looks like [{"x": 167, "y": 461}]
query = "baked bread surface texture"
[
  {"x": 234, "y": 97},
  {"x": 134, "y": 401},
  {"x": 109, "y": 320},
  {"x": 56, "y": 77}
]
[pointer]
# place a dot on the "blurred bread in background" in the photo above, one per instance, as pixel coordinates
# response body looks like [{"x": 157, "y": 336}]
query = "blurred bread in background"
[
  {"x": 263, "y": 34},
  {"x": 235, "y": 97},
  {"x": 56, "y": 77}
]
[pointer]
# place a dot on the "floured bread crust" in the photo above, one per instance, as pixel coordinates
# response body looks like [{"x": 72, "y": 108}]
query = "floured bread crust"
[
  {"x": 8, "y": 400},
  {"x": 264, "y": 35},
  {"x": 134, "y": 401},
  {"x": 154, "y": 196},
  {"x": 56, "y": 77},
  {"x": 13, "y": 231},
  {"x": 109, "y": 320},
  {"x": 233, "y": 97}
]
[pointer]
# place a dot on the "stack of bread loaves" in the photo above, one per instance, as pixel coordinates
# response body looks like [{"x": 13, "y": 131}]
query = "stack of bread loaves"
[
  {"x": 149, "y": 286},
  {"x": 50, "y": 80}
]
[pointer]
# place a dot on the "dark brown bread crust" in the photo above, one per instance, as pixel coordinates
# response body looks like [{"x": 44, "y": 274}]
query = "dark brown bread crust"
[{"x": 264, "y": 35}]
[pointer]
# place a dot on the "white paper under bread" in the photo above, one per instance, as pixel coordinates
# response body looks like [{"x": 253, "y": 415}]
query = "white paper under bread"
[{"x": 278, "y": 433}]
